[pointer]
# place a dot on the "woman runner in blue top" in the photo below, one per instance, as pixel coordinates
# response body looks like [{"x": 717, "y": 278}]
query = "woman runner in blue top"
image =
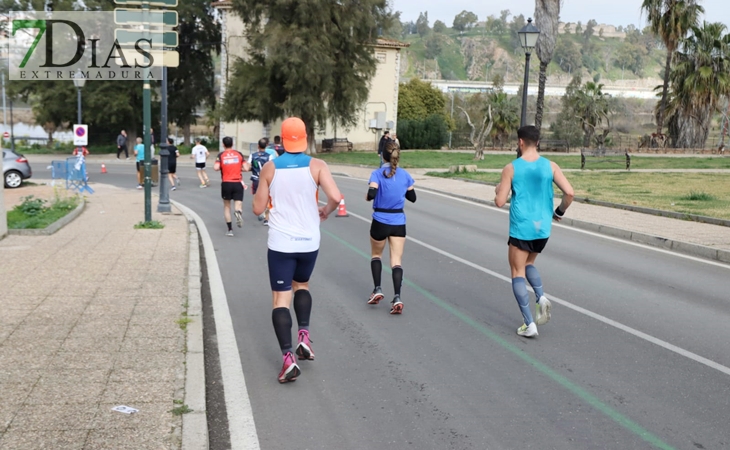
[{"x": 389, "y": 187}]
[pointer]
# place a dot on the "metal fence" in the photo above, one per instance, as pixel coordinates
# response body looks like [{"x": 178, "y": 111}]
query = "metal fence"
[{"x": 73, "y": 172}]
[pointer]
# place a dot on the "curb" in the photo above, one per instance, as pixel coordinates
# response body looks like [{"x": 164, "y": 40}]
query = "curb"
[
  {"x": 241, "y": 424},
  {"x": 195, "y": 423},
  {"x": 55, "y": 226},
  {"x": 633, "y": 236}
]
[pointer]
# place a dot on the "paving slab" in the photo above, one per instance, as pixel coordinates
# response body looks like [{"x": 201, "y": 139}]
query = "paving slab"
[{"x": 75, "y": 343}]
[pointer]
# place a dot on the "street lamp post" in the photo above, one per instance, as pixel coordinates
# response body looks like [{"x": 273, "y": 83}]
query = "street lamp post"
[
  {"x": 528, "y": 39},
  {"x": 79, "y": 82}
]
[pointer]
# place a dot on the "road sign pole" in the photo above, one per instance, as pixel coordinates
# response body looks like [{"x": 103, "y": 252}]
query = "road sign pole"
[
  {"x": 164, "y": 205},
  {"x": 147, "y": 119}
]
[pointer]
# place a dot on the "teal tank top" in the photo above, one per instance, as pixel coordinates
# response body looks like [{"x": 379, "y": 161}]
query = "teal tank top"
[{"x": 531, "y": 206}]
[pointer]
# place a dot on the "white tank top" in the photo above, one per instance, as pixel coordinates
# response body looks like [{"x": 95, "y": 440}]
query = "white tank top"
[{"x": 294, "y": 209}]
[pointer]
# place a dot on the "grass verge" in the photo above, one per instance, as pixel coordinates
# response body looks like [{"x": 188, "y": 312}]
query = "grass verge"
[
  {"x": 702, "y": 194},
  {"x": 35, "y": 213},
  {"x": 440, "y": 160}
]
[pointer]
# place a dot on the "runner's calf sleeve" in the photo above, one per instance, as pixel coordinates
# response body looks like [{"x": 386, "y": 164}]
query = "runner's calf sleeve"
[
  {"x": 533, "y": 277},
  {"x": 397, "y": 279},
  {"x": 303, "y": 308},
  {"x": 519, "y": 288},
  {"x": 376, "y": 267},
  {"x": 281, "y": 317}
]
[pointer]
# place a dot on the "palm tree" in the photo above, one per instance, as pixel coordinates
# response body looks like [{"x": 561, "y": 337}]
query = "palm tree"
[
  {"x": 670, "y": 20},
  {"x": 547, "y": 13},
  {"x": 591, "y": 107},
  {"x": 505, "y": 115},
  {"x": 700, "y": 80}
]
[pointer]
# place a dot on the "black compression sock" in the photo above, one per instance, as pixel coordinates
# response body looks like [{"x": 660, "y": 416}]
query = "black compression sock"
[
  {"x": 303, "y": 308},
  {"x": 397, "y": 279},
  {"x": 229, "y": 226},
  {"x": 376, "y": 266},
  {"x": 281, "y": 317}
]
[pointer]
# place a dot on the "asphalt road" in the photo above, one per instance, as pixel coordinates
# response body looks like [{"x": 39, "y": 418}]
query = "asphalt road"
[{"x": 635, "y": 356}]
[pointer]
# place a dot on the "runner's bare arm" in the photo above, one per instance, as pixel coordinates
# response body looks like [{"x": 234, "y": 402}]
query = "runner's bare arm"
[
  {"x": 501, "y": 192},
  {"x": 324, "y": 179},
  {"x": 564, "y": 185},
  {"x": 217, "y": 165},
  {"x": 261, "y": 199}
]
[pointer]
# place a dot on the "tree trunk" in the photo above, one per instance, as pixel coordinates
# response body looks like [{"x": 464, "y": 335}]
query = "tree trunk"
[
  {"x": 311, "y": 143},
  {"x": 541, "y": 95},
  {"x": 665, "y": 88},
  {"x": 186, "y": 134},
  {"x": 50, "y": 138}
]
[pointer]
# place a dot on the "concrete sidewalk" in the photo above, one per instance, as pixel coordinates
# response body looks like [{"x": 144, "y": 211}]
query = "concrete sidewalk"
[
  {"x": 692, "y": 238},
  {"x": 88, "y": 323}
]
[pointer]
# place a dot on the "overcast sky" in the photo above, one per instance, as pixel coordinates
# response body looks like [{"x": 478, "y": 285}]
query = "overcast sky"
[{"x": 612, "y": 12}]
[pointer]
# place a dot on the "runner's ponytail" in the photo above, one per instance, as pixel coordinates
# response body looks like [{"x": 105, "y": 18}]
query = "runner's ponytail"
[{"x": 393, "y": 158}]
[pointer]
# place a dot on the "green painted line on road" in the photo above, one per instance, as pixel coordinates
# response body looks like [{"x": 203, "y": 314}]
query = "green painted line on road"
[{"x": 581, "y": 393}]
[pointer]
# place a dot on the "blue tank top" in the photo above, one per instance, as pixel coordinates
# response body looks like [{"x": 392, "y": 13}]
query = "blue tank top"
[{"x": 531, "y": 206}]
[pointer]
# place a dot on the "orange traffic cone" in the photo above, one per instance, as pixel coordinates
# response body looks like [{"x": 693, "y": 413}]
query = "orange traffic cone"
[
  {"x": 341, "y": 210},
  {"x": 103, "y": 168}
]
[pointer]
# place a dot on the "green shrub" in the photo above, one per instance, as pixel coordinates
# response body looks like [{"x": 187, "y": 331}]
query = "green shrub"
[{"x": 429, "y": 133}]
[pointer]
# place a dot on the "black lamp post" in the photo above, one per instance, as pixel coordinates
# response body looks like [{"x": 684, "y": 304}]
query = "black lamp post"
[
  {"x": 528, "y": 39},
  {"x": 79, "y": 82}
]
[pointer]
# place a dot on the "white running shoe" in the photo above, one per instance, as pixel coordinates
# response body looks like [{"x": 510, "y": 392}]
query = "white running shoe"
[
  {"x": 542, "y": 311},
  {"x": 229, "y": 233},
  {"x": 239, "y": 219},
  {"x": 527, "y": 330}
]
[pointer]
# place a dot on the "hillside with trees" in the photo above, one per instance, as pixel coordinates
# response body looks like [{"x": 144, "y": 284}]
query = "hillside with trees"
[{"x": 478, "y": 48}]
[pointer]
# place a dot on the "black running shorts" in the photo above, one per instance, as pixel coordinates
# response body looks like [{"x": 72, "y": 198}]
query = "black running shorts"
[
  {"x": 534, "y": 246},
  {"x": 172, "y": 168},
  {"x": 200, "y": 165},
  {"x": 381, "y": 231},
  {"x": 287, "y": 267},
  {"x": 254, "y": 186},
  {"x": 232, "y": 190}
]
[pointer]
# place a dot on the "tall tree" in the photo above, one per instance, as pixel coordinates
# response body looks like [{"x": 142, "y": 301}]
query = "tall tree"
[
  {"x": 422, "y": 24},
  {"x": 192, "y": 84},
  {"x": 700, "y": 81},
  {"x": 314, "y": 66},
  {"x": 464, "y": 20},
  {"x": 670, "y": 20},
  {"x": 547, "y": 14},
  {"x": 591, "y": 108}
]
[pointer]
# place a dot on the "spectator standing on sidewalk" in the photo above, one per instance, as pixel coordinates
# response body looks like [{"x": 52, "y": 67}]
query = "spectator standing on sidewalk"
[
  {"x": 122, "y": 144},
  {"x": 289, "y": 184},
  {"x": 381, "y": 145},
  {"x": 530, "y": 178}
]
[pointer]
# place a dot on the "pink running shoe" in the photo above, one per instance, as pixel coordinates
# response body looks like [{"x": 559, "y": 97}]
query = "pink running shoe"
[
  {"x": 304, "y": 349},
  {"x": 290, "y": 371}
]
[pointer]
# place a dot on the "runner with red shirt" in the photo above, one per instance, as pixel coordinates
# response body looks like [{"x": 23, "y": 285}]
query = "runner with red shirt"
[{"x": 231, "y": 164}]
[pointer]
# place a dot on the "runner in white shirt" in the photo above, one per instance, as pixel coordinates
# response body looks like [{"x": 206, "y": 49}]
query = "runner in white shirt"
[
  {"x": 289, "y": 185},
  {"x": 200, "y": 153}
]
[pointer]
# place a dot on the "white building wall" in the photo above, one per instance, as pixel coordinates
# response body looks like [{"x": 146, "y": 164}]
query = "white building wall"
[{"x": 383, "y": 96}]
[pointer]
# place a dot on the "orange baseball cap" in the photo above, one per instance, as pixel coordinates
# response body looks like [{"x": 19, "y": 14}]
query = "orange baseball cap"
[{"x": 294, "y": 135}]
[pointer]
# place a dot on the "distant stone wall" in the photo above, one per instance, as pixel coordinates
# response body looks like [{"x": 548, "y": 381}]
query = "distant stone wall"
[{"x": 608, "y": 30}]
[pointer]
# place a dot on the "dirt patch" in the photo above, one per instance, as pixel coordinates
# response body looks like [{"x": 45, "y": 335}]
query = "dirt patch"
[{"x": 46, "y": 192}]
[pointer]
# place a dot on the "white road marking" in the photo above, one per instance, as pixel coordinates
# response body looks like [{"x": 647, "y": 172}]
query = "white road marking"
[
  {"x": 666, "y": 345},
  {"x": 241, "y": 425},
  {"x": 575, "y": 229}
]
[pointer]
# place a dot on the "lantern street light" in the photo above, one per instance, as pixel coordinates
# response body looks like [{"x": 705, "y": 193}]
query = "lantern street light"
[
  {"x": 528, "y": 39},
  {"x": 79, "y": 82}
]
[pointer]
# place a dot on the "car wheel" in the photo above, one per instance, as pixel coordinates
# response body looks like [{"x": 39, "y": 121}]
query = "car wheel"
[{"x": 13, "y": 179}]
